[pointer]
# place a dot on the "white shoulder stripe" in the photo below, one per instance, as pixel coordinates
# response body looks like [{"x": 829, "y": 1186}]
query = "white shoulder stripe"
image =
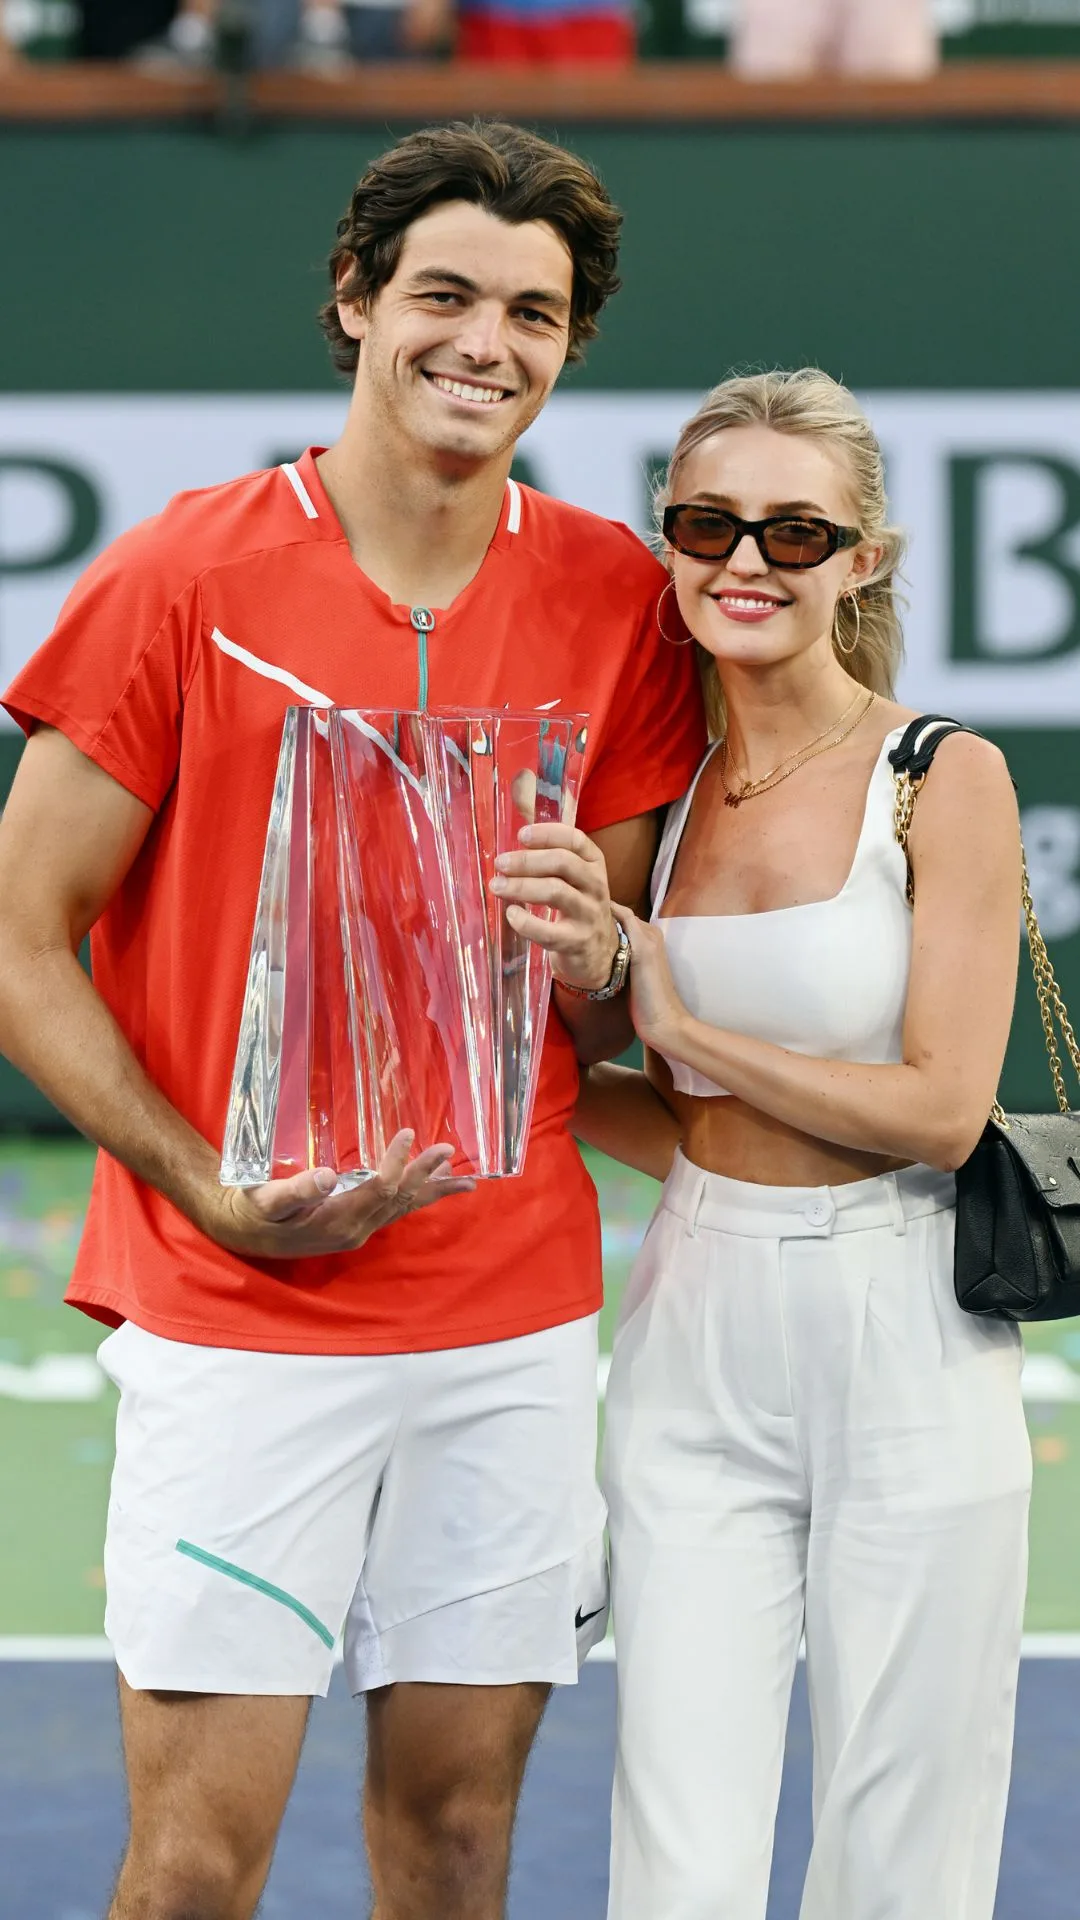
[
  {"x": 513, "y": 518},
  {"x": 299, "y": 489},
  {"x": 313, "y": 698},
  {"x": 310, "y": 695}
]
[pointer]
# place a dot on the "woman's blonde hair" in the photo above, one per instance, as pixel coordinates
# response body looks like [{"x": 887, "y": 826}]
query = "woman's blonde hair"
[{"x": 808, "y": 401}]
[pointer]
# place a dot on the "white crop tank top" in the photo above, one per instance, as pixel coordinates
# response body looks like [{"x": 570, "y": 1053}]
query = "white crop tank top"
[{"x": 828, "y": 978}]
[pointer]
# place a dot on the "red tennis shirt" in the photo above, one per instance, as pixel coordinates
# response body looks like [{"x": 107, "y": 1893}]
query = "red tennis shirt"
[{"x": 171, "y": 666}]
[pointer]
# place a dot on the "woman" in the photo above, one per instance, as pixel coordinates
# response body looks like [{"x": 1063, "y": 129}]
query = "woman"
[
  {"x": 804, "y": 1432},
  {"x": 791, "y": 39}
]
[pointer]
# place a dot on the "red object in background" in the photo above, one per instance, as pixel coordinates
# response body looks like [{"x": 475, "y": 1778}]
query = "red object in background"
[{"x": 588, "y": 37}]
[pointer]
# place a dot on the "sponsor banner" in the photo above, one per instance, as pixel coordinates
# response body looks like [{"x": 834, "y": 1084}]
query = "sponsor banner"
[{"x": 988, "y": 486}]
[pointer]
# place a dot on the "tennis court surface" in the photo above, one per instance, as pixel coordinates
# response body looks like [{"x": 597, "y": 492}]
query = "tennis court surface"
[
  {"x": 61, "y": 1803},
  {"x": 61, "y": 1794}
]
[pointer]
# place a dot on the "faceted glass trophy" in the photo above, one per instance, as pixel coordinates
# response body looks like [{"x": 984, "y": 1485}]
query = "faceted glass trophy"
[{"x": 386, "y": 988}]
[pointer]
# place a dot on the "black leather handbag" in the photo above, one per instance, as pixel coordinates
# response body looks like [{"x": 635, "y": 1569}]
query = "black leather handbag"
[{"x": 1018, "y": 1196}]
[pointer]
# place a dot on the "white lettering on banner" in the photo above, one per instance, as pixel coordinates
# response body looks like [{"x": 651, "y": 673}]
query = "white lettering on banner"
[
  {"x": 988, "y": 486},
  {"x": 77, "y": 471},
  {"x": 1021, "y": 606}
]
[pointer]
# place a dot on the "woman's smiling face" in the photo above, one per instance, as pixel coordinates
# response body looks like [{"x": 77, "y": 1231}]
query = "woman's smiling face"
[{"x": 741, "y": 609}]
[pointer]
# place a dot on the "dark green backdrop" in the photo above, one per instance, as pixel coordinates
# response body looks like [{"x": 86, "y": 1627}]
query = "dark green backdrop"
[
  {"x": 931, "y": 257},
  {"x": 927, "y": 256}
]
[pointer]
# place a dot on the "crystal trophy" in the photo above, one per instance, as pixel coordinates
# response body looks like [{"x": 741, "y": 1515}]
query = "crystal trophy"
[{"x": 386, "y": 987}]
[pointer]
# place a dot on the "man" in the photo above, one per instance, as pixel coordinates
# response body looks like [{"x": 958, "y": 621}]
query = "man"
[
  {"x": 323, "y": 1428},
  {"x": 547, "y": 33},
  {"x": 790, "y": 39},
  {"x": 321, "y": 36}
]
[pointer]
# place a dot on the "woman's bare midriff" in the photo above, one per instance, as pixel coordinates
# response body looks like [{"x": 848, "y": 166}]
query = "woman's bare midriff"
[{"x": 727, "y": 1136}]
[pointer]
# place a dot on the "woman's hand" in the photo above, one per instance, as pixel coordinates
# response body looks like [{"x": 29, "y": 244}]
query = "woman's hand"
[{"x": 658, "y": 1014}]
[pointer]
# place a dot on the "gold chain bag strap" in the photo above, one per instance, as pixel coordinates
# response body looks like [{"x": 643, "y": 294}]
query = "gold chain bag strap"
[{"x": 1018, "y": 1196}]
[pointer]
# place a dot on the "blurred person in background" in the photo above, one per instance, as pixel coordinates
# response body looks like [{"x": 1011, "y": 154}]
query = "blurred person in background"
[
  {"x": 110, "y": 29},
  {"x": 546, "y": 32},
  {"x": 322, "y": 36},
  {"x": 789, "y": 39}
]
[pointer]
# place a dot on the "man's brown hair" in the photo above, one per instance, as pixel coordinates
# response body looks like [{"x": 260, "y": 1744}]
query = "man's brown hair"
[{"x": 509, "y": 172}]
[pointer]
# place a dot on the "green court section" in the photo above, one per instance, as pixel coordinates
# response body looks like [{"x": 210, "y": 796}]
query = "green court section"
[{"x": 56, "y": 1410}]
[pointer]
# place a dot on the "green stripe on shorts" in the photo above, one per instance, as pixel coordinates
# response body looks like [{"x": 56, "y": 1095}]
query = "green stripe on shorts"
[{"x": 260, "y": 1585}]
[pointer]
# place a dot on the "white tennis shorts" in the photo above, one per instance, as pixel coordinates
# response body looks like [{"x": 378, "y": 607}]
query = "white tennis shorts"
[{"x": 438, "y": 1510}]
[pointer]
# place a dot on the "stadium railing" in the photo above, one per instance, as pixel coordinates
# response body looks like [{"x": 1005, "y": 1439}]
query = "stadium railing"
[{"x": 653, "y": 91}]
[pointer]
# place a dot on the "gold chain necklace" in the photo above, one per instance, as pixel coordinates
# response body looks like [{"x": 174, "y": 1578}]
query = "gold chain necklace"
[
  {"x": 823, "y": 742},
  {"x": 745, "y": 780}
]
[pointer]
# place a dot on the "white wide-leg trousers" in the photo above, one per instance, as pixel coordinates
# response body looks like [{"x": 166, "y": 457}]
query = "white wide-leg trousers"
[{"x": 805, "y": 1432}]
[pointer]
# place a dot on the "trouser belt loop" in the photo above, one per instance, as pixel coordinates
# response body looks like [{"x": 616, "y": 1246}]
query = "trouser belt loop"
[
  {"x": 896, "y": 1204},
  {"x": 695, "y": 1207}
]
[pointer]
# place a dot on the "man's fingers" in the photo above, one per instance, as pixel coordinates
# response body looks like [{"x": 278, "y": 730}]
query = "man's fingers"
[
  {"x": 391, "y": 1169},
  {"x": 555, "y": 833},
  {"x": 431, "y": 1161},
  {"x": 555, "y": 935},
  {"x": 441, "y": 1187},
  {"x": 303, "y": 1193},
  {"x": 311, "y": 1212},
  {"x": 551, "y": 893},
  {"x": 286, "y": 1199},
  {"x": 554, "y": 863}
]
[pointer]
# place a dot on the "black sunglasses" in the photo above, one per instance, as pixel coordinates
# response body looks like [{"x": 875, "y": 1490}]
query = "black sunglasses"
[{"x": 787, "y": 540}]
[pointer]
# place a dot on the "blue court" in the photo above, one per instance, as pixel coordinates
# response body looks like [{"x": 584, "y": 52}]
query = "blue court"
[{"x": 62, "y": 1811}]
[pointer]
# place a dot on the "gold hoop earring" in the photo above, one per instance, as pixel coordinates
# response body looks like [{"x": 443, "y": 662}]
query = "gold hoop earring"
[
  {"x": 670, "y": 588},
  {"x": 852, "y": 594}
]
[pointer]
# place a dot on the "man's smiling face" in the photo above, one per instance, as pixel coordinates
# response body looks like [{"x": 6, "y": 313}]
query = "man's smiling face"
[{"x": 461, "y": 347}]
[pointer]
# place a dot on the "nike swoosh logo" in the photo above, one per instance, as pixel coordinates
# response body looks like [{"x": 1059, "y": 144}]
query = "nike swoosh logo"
[{"x": 582, "y": 1619}]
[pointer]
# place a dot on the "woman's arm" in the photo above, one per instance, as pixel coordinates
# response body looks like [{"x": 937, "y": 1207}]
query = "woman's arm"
[
  {"x": 965, "y": 852},
  {"x": 621, "y": 1114}
]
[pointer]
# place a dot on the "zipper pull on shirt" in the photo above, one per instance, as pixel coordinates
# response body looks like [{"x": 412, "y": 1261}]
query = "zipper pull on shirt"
[{"x": 423, "y": 621}]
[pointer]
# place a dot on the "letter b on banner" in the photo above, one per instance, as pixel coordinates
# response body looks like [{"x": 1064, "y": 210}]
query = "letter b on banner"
[{"x": 1016, "y": 558}]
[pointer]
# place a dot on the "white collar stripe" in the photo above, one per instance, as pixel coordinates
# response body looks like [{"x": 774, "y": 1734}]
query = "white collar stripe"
[
  {"x": 300, "y": 490},
  {"x": 513, "y": 518}
]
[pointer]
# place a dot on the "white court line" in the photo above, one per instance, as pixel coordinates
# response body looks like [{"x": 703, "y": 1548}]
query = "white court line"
[
  {"x": 1033, "y": 1646},
  {"x": 74, "y": 1646},
  {"x": 61, "y": 1647}
]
